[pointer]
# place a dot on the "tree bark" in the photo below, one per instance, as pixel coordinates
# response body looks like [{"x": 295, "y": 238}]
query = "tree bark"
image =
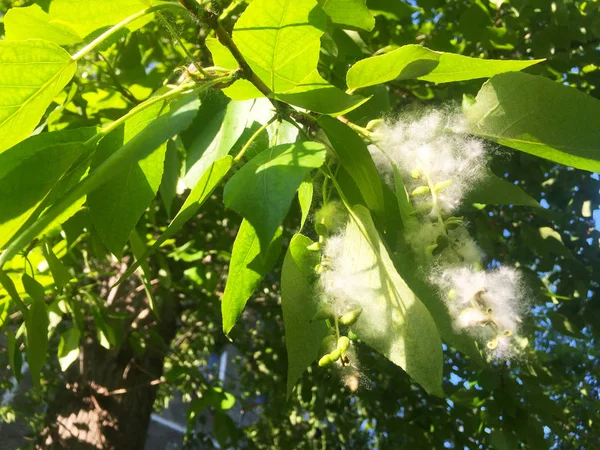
[{"x": 105, "y": 401}]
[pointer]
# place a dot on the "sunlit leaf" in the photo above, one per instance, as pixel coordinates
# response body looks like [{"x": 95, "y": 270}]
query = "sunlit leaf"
[
  {"x": 538, "y": 116},
  {"x": 32, "y": 73}
]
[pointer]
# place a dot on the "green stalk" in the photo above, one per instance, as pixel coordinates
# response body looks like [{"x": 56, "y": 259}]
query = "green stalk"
[
  {"x": 100, "y": 39},
  {"x": 247, "y": 145}
]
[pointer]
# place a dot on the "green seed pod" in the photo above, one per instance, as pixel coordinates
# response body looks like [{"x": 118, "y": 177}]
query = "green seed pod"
[
  {"x": 441, "y": 185},
  {"x": 324, "y": 313},
  {"x": 325, "y": 361},
  {"x": 350, "y": 317},
  {"x": 507, "y": 333},
  {"x": 343, "y": 344},
  {"x": 321, "y": 230},
  {"x": 335, "y": 355},
  {"x": 327, "y": 344},
  {"x": 493, "y": 343},
  {"x": 319, "y": 269},
  {"x": 416, "y": 174},
  {"x": 421, "y": 190},
  {"x": 352, "y": 336},
  {"x": 316, "y": 247}
]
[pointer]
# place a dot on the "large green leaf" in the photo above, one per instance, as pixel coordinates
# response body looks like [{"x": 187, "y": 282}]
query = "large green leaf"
[
  {"x": 414, "y": 61},
  {"x": 263, "y": 189},
  {"x": 396, "y": 324},
  {"x": 299, "y": 305},
  {"x": 207, "y": 184},
  {"x": 165, "y": 127},
  {"x": 86, "y": 16},
  {"x": 459, "y": 68},
  {"x": 33, "y": 22},
  {"x": 312, "y": 92},
  {"x": 353, "y": 13},
  {"x": 28, "y": 172},
  {"x": 538, "y": 116},
  {"x": 356, "y": 159},
  {"x": 117, "y": 206},
  {"x": 32, "y": 73},
  {"x": 37, "y": 328},
  {"x": 316, "y": 94},
  {"x": 280, "y": 39},
  {"x": 246, "y": 270},
  {"x": 216, "y": 129},
  {"x": 494, "y": 190}
]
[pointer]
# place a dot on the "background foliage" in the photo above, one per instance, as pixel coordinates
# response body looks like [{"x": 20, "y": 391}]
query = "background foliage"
[{"x": 548, "y": 399}]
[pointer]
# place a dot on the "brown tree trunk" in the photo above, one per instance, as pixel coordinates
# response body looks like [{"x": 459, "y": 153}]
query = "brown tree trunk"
[{"x": 105, "y": 401}]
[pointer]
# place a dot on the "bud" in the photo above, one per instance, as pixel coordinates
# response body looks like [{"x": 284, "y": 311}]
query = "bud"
[
  {"x": 325, "y": 361},
  {"x": 351, "y": 317},
  {"x": 343, "y": 344},
  {"x": 442, "y": 185},
  {"x": 421, "y": 190}
]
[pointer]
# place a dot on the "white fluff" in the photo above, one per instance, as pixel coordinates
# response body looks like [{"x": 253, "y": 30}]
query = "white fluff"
[
  {"x": 339, "y": 284},
  {"x": 487, "y": 305},
  {"x": 435, "y": 146}
]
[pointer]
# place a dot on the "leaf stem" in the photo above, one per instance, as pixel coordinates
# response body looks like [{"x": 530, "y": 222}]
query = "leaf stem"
[
  {"x": 250, "y": 141},
  {"x": 100, "y": 39}
]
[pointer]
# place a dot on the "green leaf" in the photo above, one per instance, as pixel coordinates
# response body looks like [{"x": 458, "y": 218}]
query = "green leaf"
[
  {"x": 222, "y": 57},
  {"x": 538, "y": 116},
  {"x": 15, "y": 359},
  {"x": 68, "y": 348},
  {"x": 305, "y": 198},
  {"x": 391, "y": 9},
  {"x": 216, "y": 129},
  {"x": 29, "y": 171},
  {"x": 454, "y": 67},
  {"x": 316, "y": 94},
  {"x": 397, "y": 324},
  {"x": 207, "y": 184},
  {"x": 32, "y": 73},
  {"x": 354, "y": 156},
  {"x": 263, "y": 189},
  {"x": 298, "y": 303},
  {"x": 247, "y": 269},
  {"x": 280, "y": 39},
  {"x": 494, "y": 190},
  {"x": 86, "y": 16},
  {"x": 37, "y": 328},
  {"x": 168, "y": 185},
  {"x": 59, "y": 272},
  {"x": 353, "y": 13},
  {"x": 117, "y": 206},
  {"x": 414, "y": 61},
  {"x": 179, "y": 118},
  {"x": 139, "y": 249},
  {"x": 33, "y": 22}
]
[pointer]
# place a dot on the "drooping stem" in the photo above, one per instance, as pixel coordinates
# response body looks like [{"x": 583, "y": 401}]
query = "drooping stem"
[{"x": 104, "y": 36}]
